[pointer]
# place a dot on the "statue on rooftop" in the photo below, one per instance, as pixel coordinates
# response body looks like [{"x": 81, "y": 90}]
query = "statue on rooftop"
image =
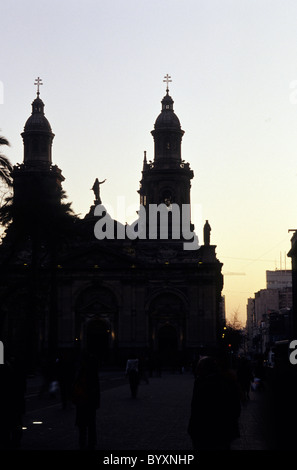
[
  {"x": 96, "y": 189},
  {"x": 206, "y": 233}
]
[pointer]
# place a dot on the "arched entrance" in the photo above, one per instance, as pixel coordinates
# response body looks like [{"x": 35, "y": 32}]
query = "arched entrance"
[
  {"x": 168, "y": 345},
  {"x": 97, "y": 322},
  {"x": 98, "y": 335},
  {"x": 167, "y": 328}
]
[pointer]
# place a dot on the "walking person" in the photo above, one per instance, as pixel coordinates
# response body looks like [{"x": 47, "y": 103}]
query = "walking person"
[
  {"x": 215, "y": 408},
  {"x": 132, "y": 372},
  {"x": 65, "y": 378},
  {"x": 86, "y": 397},
  {"x": 12, "y": 403},
  {"x": 144, "y": 370},
  {"x": 245, "y": 378}
]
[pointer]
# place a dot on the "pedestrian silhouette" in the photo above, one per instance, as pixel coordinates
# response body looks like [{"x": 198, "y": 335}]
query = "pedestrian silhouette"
[
  {"x": 144, "y": 369},
  {"x": 19, "y": 384},
  {"x": 215, "y": 408},
  {"x": 259, "y": 373},
  {"x": 132, "y": 372},
  {"x": 5, "y": 406},
  {"x": 48, "y": 372},
  {"x": 244, "y": 377},
  {"x": 86, "y": 397},
  {"x": 12, "y": 403},
  {"x": 65, "y": 378}
]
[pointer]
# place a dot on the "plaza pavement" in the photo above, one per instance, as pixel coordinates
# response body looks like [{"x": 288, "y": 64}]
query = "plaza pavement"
[{"x": 156, "y": 420}]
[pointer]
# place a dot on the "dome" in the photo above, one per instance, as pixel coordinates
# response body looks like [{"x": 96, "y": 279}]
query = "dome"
[
  {"x": 37, "y": 121},
  {"x": 167, "y": 118}
]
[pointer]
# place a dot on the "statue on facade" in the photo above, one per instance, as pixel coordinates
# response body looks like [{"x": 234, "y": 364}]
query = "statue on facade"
[
  {"x": 206, "y": 233},
  {"x": 96, "y": 189}
]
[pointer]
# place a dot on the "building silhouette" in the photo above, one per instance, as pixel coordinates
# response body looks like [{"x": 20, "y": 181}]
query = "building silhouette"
[
  {"x": 154, "y": 291},
  {"x": 269, "y": 313}
]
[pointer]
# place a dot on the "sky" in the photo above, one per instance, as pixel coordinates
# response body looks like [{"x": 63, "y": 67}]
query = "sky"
[{"x": 233, "y": 65}]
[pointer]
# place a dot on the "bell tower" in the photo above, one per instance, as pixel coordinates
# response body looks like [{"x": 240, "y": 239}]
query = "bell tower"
[
  {"x": 36, "y": 178},
  {"x": 166, "y": 179},
  {"x": 37, "y": 135}
]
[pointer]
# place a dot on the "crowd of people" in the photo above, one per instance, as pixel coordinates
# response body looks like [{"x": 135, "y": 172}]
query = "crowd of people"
[{"x": 218, "y": 394}]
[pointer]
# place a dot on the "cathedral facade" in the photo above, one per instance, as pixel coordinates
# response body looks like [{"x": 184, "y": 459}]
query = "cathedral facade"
[{"x": 153, "y": 291}]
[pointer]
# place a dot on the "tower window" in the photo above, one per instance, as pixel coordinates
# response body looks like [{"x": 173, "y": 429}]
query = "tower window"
[{"x": 167, "y": 197}]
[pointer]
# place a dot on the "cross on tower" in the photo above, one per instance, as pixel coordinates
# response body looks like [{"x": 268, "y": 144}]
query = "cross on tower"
[
  {"x": 38, "y": 82},
  {"x": 167, "y": 80}
]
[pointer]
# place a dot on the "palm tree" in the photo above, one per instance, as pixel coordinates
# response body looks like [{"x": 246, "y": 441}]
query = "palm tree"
[{"x": 5, "y": 165}]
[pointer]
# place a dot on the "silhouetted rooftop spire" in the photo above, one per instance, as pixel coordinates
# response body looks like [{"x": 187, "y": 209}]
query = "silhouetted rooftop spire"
[
  {"x": 38, "y": 82},
  {"x": 37, "y": 121},
  {"x": 167, "y": 80}
]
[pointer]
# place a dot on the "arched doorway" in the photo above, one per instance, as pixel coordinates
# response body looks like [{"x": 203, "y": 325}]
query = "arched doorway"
[
  {"x": 167, "y": 327},
  {"x": 168, "y": 345},
  {"x": 97, "y": 322},
  {"x": 98, "y": 336}
]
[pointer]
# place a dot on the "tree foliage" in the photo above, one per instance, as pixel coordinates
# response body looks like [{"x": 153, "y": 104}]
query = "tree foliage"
[
  {"x": 40, "y": 219},
  {"x": 232, "y": 334},
  {"x": 5, "y": 165}
]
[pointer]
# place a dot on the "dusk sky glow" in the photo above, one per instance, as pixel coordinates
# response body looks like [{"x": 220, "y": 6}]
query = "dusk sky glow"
[{"x": 233, "y": 65}]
